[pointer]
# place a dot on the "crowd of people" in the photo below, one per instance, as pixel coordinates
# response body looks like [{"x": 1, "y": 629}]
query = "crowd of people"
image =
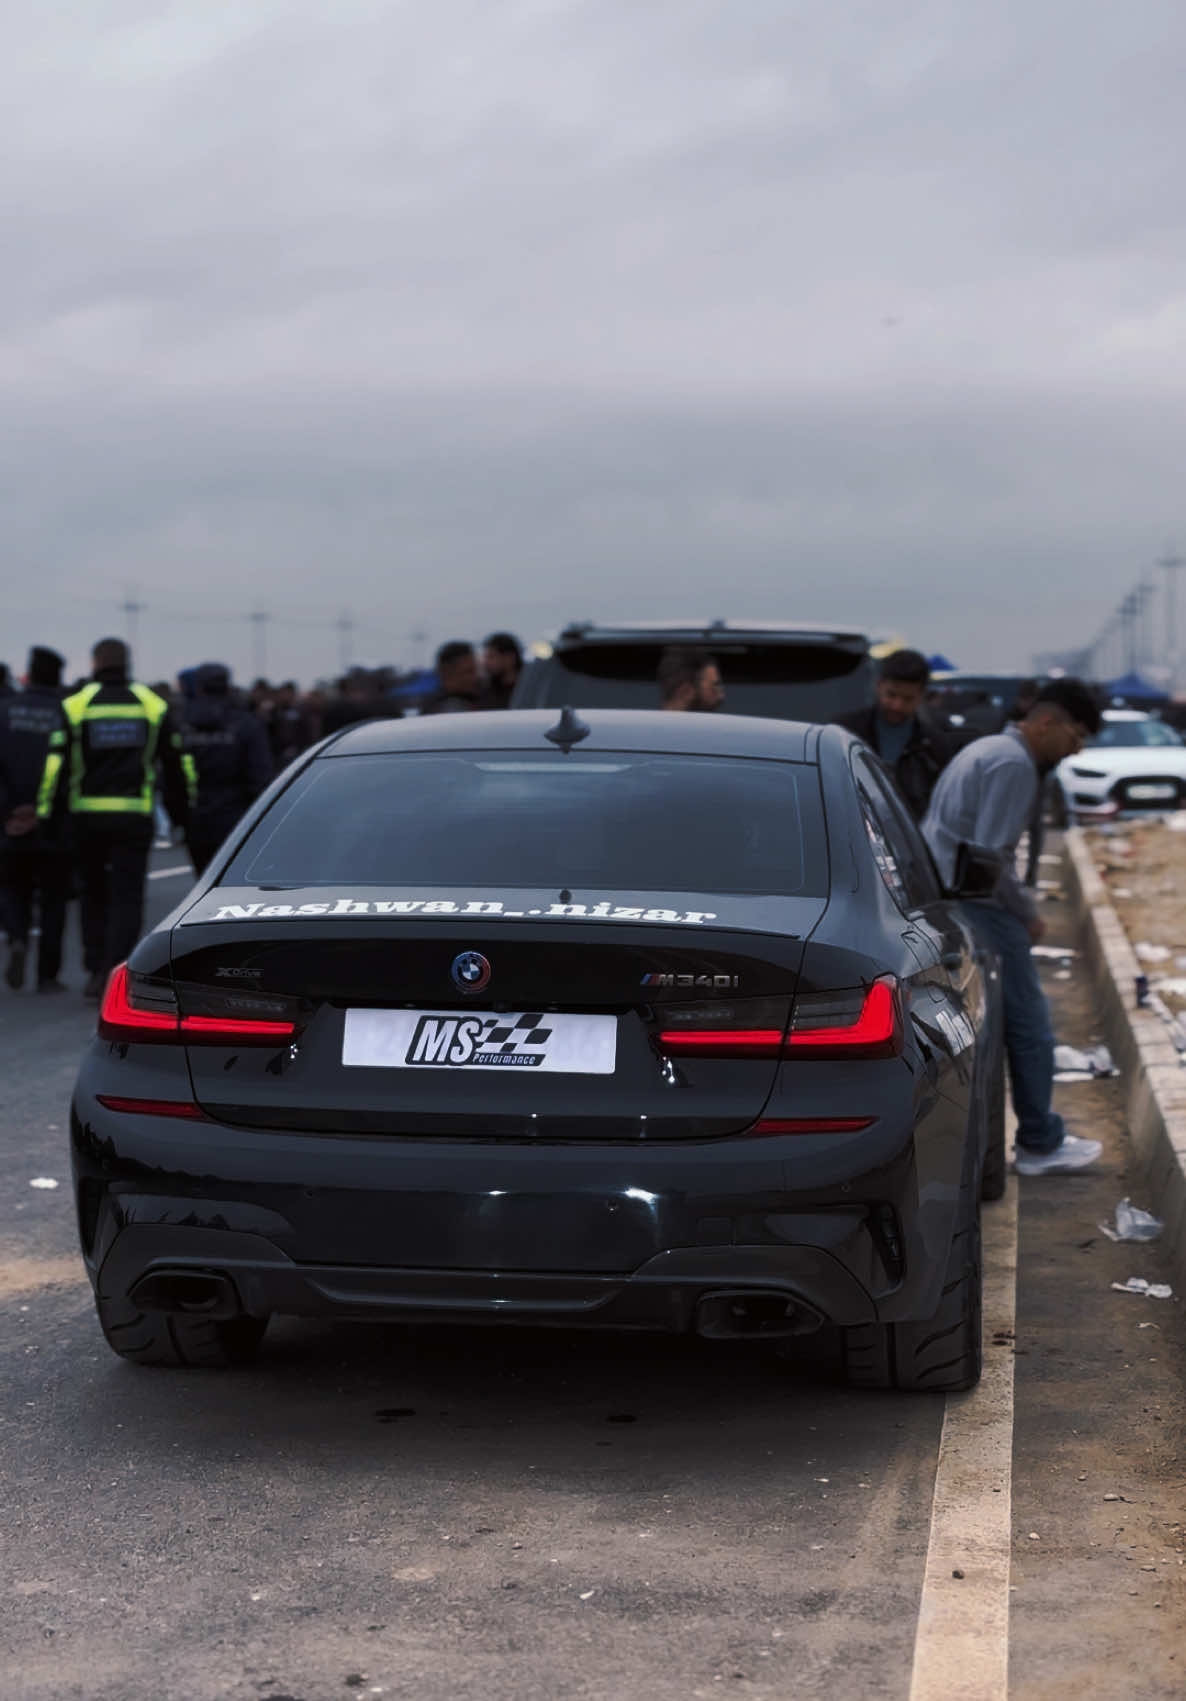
[
  {"x": 84, "y": 771},
  {"x": 92, "y": 773}
]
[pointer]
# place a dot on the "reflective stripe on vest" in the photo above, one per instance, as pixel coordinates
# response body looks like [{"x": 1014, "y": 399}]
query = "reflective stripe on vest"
[{"x": 148, "y": 707}]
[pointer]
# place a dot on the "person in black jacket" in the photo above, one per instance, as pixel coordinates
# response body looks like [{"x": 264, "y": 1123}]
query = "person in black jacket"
[
  {"x": 232, "y": 763},
  {"x": 459, "y": 680},
  {"x": 34, "y": 866},
  {"x": 502, "y": 661},
  {"x": 911, "y": 742}
]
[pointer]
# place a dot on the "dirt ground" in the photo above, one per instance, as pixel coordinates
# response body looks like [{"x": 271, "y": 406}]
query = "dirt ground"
[{"x": 1143, "y": 864}]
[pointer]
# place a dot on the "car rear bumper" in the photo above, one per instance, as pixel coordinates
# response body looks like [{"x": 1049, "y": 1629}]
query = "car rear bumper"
[{"x": 604, "y": 1236}]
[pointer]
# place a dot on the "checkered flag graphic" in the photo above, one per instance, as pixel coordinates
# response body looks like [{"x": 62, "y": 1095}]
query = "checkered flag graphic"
[{"x": 516, "y": 1033}]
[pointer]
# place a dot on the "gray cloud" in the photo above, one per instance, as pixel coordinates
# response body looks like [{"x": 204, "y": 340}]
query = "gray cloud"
[{"x": 504, "y": 313}]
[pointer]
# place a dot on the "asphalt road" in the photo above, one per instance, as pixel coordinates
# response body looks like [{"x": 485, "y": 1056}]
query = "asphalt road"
[{"x": 453, "y": 1514}]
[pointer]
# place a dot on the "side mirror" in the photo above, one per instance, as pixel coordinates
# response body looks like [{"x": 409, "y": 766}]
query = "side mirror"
[{"x": 977, "y": 872}]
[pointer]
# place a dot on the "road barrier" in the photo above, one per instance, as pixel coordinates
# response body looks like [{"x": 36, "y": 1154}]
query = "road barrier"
[{"x": 1154, "y": 1077}]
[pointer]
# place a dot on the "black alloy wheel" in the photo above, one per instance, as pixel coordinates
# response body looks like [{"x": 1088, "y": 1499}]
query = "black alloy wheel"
[{"x": 941, "y": 1354}]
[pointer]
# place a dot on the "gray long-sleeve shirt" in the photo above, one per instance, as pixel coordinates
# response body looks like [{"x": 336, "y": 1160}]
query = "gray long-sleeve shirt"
[{"x": 986, "y": 796}]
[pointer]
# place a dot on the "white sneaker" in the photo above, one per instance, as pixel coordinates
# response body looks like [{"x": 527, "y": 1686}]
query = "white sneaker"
[{"x": 1073, "y": 1153}]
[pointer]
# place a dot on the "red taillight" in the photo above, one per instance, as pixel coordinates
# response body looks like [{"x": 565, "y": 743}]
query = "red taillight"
[
  {"x": 183, "y": 1110},
  {"x": 721, "y": 1042},
  {"x": 813, "y": 1124},
  {"x": 217, "y": 1030},
  {"x": 875, "y": 1030},
  {"x": 121, "y": 1019}
]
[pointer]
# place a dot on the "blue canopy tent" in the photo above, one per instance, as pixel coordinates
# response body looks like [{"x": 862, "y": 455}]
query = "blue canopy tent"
[
  {"x": 1134, "y": 689},
  {"x": 940, "y": 664}
]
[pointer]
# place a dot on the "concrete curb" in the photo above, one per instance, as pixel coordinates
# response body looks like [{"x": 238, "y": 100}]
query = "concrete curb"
[{"x": 1153, "y": 1078}]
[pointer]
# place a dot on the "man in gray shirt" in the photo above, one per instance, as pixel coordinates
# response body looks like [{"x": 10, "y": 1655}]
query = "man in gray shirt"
[{"x": 986, "y": 797}]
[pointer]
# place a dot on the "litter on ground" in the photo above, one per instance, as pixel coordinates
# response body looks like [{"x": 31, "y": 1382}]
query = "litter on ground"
[
  {"x": 1132, "y": 1223},
  {"x": 1095, "y": 1061},
  {"x": 1060, "y": 952},
  {"x": 1152, "y": 953},
  {"x": 44, "y": 1182},
  {"x": 1147, "y": 1290}
]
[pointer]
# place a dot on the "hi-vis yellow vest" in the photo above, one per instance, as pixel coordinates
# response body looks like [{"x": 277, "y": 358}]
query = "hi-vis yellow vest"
[{"x": 101, "y": 725}]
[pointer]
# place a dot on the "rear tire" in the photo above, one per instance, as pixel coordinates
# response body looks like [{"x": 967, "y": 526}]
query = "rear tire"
[
  {"x": 173, "y": 1339},
  {"x": 941, "y": 1354},
  {"x": 996, "y": 1158}
]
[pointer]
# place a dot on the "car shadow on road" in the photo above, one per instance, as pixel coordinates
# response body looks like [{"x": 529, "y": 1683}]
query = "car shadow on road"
[{"x": 444, "y": 1398}]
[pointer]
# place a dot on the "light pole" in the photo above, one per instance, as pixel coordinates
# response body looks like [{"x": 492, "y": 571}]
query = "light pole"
[
  {"x": 259, "y": 621},
  {"x": 132, "y": 608},
  {"x": 1172, "y": 562},
  {"x": 345, "y": 626}
]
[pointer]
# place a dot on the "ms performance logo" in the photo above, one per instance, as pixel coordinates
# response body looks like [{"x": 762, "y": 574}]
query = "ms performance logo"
[{"x": 486, "y": 1042}]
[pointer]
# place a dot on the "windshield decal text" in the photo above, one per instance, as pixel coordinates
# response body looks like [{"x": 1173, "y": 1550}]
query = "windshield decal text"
[{"x": 343, "y": 907}]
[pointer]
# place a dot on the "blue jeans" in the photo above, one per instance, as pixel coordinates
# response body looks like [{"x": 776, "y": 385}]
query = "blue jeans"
[{"x": 1029, "y": 1039}]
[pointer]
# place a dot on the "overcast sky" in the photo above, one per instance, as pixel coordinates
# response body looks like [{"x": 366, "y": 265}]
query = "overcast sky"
[{"x": 475, "y": 313}]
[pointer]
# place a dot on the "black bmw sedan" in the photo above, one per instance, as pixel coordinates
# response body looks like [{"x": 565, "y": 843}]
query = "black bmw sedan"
[{"x": 642, "y": 1021}]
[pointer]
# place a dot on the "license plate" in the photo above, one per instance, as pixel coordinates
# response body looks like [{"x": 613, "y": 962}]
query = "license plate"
[
  {"x": 515, "y": 1043},
  {"x": 1150, "y": 793}
]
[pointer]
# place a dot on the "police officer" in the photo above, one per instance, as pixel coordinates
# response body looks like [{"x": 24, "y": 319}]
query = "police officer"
[
  {"x": 34, "y": 868},
  {"x": 101, "y": 773},
  {"x": 232, "y": 763}
]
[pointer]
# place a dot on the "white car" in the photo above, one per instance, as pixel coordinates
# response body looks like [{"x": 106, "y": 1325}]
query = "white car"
[{"x": 1135, "y": 763}]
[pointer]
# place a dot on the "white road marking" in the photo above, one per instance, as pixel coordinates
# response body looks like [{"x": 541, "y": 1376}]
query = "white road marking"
[
  {"x": 169, "y": 873},
  {"x": 961, "y": 1651}
]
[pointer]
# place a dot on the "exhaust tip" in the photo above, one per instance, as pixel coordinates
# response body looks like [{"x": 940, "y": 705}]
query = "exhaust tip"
[
  {"x": 195, "y": 1293},
  {"x": 735, "y": 1314}
]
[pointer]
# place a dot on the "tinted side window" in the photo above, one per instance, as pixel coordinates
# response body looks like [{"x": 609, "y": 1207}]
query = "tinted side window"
[
  {"x": 912, "y": 861},
  {"x": 883, "y": 855}
]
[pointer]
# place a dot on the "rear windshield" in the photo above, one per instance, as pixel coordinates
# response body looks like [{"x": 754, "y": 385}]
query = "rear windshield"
[
  {"x": 796, "y": 682},
  {"x": 608, "y": 821}
]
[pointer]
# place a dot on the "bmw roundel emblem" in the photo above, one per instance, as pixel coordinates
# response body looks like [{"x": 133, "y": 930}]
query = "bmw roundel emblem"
[{"x": 471, "y": 972}]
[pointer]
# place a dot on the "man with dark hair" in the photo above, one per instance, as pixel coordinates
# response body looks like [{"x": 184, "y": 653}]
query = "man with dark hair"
[
  {"x": 986, "y": 798},
  {"x": 34, "y": 867},
  {"x": 232, "y": 762},
  {"x": 502, "y": 658},
  {"x": 459, "y": 680},
  {"x": 690, "y": 681},
  {"x": 912, "y": 743},
  {"x": 100, "y": 775}
]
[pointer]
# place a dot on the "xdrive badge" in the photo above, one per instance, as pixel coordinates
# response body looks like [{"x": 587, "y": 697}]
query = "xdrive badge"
[{"x": 471, "y": 972}]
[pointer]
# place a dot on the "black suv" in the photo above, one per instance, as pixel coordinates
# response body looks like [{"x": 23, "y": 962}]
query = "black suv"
[{"x": 794, "y": 673}]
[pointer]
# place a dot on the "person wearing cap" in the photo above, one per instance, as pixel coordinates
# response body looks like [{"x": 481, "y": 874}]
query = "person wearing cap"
[
  {"x": 100, "y": 777},
  {"x": 232, "y": 763},
  {"x": 986, "y": 797},
  {"x": 34, "y": 866}
]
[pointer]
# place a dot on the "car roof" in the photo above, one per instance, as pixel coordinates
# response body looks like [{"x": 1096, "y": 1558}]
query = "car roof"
[
  {"x": 1126, "y": 715},
  {"x": 609, "y": 729},
  {"x": 702, "y": 632}
]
